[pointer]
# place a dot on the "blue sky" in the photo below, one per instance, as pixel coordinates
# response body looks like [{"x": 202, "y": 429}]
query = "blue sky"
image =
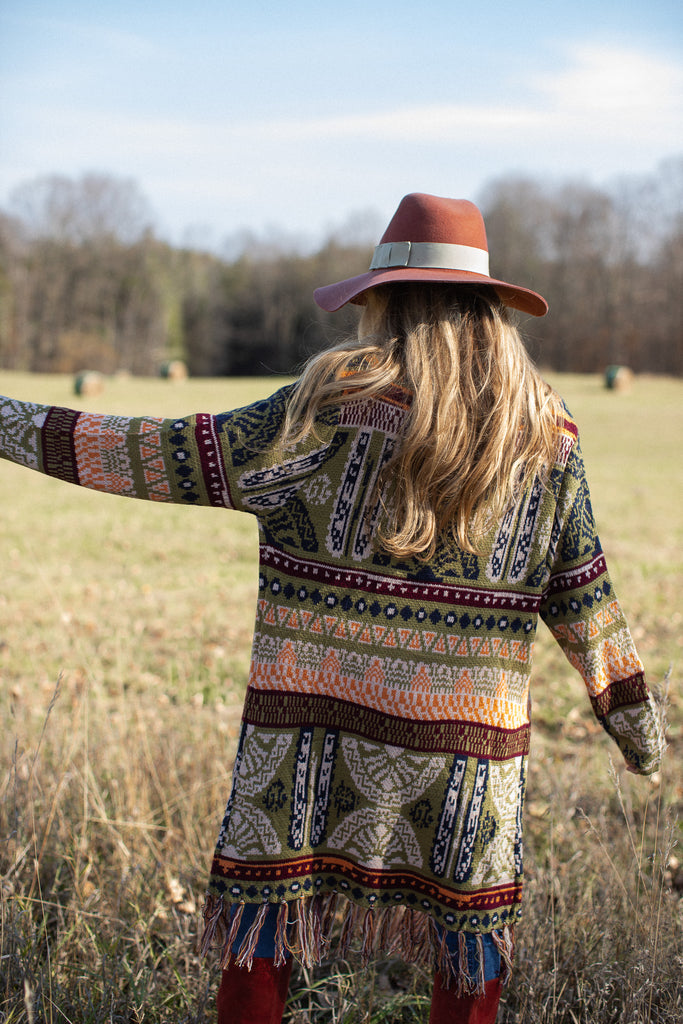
[{"x": 297, "y": 117}]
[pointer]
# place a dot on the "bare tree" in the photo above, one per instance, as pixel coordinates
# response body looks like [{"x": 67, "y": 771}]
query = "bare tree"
[
  {"x": 92, "y": 208},
  {"x": 85, "y": 287},
  {"x": 83, "y": 281}
]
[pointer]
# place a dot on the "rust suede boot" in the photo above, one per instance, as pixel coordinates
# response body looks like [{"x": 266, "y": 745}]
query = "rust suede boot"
[
  {"x": 448, "y": 1008},
  {"x": 253, "y": 997}
]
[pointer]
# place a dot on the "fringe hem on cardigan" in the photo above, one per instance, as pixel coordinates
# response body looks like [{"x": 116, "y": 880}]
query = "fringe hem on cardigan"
[{"x": 308, "y": 935}]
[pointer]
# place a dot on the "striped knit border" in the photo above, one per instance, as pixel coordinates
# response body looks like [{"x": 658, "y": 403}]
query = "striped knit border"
[
  {"x": 376, "y": 583},
  {"x": 336, "y": 869},
  {"x": 57, "y": 438},
  {"x": 277, "y": 709},
  {"x": 620, "y": 694}
]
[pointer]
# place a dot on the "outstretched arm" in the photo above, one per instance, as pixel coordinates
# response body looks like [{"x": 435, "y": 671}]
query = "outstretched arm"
[{"x": 182, "y": 460}]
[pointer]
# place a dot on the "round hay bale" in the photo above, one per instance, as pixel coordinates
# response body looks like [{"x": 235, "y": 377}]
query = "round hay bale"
[
  {"x": 174, "y": 369},
  {"x": 619, "y": 378},
  {"x": 89, "y": 383}
]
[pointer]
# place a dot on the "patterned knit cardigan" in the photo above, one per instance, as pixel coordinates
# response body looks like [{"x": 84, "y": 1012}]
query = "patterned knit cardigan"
[{"x": 380, "y": 775}]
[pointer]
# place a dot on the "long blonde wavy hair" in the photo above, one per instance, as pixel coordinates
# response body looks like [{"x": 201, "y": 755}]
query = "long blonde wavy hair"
[{"x": 482, "y": 423}]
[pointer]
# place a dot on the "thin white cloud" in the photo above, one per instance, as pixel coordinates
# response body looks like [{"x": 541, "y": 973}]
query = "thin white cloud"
[
  {"x": 612, "y": 90},
  {"x": 614, "y": 93},
  {"x": 425, "y": 123},
  {"x": 603, "y": 111},
  {"x": 614, "y": 81}
]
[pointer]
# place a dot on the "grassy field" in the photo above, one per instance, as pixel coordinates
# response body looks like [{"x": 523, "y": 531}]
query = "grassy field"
[{"x": 124, "y": 644}]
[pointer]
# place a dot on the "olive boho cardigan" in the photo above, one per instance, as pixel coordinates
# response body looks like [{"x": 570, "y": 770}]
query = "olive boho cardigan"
[{"x": 381, "y": 767}]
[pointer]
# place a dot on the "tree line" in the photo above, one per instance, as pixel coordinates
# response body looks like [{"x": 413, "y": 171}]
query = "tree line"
[{"x": 85, "y": 283}]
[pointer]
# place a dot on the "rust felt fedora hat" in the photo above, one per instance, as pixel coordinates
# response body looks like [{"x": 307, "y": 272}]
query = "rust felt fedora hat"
[{"x": 431, "y": 239}]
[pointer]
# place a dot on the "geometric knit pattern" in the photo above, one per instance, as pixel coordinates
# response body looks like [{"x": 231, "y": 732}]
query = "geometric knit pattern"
[{"x": 385, "y": 732}]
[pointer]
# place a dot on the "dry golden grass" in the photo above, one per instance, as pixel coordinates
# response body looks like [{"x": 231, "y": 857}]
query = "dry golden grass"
[{"x": 114, "y": 782}]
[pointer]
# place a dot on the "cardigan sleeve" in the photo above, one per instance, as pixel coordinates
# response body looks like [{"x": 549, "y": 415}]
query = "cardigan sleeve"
[
  {"x": 195, "y": 460},
  {"x": 581, "y": 609}
]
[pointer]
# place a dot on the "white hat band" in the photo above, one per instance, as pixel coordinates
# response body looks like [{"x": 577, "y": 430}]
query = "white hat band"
[{"x": 431, "y": 255}]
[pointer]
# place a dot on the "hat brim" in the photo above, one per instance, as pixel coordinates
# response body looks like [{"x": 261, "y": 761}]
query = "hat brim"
[{"x": 333, "y": 296}]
